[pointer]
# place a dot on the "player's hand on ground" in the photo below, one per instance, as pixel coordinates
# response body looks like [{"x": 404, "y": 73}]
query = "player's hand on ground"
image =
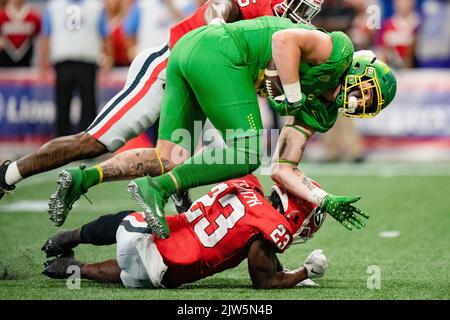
[
  {"x": 284, "y": 107},
  {"x": 342, "y": 209}
]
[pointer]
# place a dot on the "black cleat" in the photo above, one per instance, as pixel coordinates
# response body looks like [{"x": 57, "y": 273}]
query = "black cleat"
[
  {"x": 4, "y": 187},
  {"x": 182, "y": 201},
  {"x": 60, "y": 244},
  {"x": 58, "y": 268}
]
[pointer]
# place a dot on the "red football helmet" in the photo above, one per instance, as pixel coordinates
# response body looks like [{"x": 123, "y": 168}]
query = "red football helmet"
[{"x": 304, "y": 217}]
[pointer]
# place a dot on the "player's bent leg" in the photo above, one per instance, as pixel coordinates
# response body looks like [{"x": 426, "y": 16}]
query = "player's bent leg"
[
  {"x": 138, "y": 257},
  {"x": 179, "y": 113},
  {"x": 137, "y": 106},
  {"x": 128, "y": 114},
  {"x": 150, "y": 196},
  {"x": 235, "y": 115},
  {"x": 74, "y": 182},
  {"x": 99, "y": 232},
  {"x": 53, "y": 154},
  {"x": 172, "y": 155},
  {"x": 60, "y": 151}
]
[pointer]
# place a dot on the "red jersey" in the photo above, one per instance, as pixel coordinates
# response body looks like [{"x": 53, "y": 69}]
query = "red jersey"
[
  {"x": 215, "y": 233},
  {"x": 400, "y": 34},
  {"x": 17, "y": 29},
  {"x": 119, "y": 45},
  {"x": 249, "y": 9}
]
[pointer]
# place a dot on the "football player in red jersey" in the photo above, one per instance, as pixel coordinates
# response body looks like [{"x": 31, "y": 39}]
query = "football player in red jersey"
[
  {"x": 131, "y": 112},
  {"x": 19, "y": 26},
  {"x": 230, "y": 223}
]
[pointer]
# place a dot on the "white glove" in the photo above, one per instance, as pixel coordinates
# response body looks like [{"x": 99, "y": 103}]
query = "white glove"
[{"x": 316, "y": 264}]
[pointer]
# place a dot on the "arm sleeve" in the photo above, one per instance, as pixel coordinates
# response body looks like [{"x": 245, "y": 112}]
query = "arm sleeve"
[
  {"x": 132, "y": 21},
  {"x": 46, "y": 24}
]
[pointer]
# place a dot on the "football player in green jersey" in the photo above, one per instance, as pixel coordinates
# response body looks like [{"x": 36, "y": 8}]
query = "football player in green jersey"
[
  {"x": 211, "y": 74},
  {"x": 368, "y": 86}
]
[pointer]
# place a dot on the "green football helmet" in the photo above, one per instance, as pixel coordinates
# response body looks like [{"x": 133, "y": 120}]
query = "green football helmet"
[{"x": 369, "y": 87}]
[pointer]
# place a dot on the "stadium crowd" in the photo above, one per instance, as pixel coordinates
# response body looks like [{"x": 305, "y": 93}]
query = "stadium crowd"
[
  {"x": 398, "y": 30},
  {"x": 404, "y": 33}
]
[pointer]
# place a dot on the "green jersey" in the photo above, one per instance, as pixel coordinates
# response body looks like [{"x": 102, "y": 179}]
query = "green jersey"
[{"x": 254, "y": 41}]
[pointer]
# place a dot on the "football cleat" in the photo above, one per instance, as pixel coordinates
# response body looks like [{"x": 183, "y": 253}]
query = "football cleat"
[
  {"x": 60, "y": 244},
  {"x": 152, "y": 199},
  {"x": 58, "y": 268},
  {"x": 4, "y": 187},
  {"x": 68, "y": 191},
  {"x": 182, "y": 201},
  {"x": 316, "y": 264}
]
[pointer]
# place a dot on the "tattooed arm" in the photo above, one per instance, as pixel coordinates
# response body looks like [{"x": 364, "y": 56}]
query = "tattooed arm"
[
  {"x": 289, "y": 152},
  {"x": 133, "y": 164}
]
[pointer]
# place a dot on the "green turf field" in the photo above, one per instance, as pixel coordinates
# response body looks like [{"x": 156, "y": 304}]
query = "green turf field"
[{"x": 411, "y": 199}]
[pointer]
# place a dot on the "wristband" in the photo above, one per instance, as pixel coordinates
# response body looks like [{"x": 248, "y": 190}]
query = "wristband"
[{"x": 293, "y": 92}]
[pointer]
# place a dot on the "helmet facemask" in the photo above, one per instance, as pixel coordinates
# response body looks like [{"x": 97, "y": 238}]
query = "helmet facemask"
[
  {"x": 362, "y": 95},
  {"x": 299, "y": 11},
  {"x": 369, "y": 86}
]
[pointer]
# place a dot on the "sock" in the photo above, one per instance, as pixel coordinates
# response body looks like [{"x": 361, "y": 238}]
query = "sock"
[
  {"x": 102, "y": 231},
  {"x": 166, "y": 183},
  {"x": 93, "y": 176},
  {"x": 12, "y": 175}
]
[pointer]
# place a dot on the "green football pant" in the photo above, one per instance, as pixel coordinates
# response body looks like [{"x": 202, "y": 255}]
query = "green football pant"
[{"x": 206, "y": 78}]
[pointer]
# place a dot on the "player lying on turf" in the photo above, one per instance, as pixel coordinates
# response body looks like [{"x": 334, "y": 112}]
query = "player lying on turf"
[
  {"x": 232, "y": 222},
  {"x": 319, "y": 76},
  {"x": 134, "y": 109}
]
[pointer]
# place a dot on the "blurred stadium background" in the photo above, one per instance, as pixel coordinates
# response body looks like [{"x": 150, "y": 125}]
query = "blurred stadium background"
[
  {"x": 398, "y": 162},
  {"x": 416, "y": 42}
]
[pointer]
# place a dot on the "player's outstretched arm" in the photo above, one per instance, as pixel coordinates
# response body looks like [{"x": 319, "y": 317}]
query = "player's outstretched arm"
[
  {"x": 264, "y": 268},
  {"x": 288, "y": 154},
  {"x": 285, "y": 171},
  {"x": 221, "y": 11}
]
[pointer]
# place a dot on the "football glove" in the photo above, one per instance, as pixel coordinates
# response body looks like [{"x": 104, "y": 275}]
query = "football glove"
[
  {"x": 341, "y": 209},
  {"x": 284, "y": 107},
  {"x": 316, "y": 264}
]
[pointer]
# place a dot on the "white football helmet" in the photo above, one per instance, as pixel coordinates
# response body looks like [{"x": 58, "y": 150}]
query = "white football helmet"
[
  {"x": 299, "y": 11},
  {"x": 304, "y": 217}
]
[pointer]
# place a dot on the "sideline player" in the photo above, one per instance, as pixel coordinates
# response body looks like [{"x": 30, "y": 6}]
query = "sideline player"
[
  {"x": 232, "y": 222},
  {"x": 134, "y": 109}
]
